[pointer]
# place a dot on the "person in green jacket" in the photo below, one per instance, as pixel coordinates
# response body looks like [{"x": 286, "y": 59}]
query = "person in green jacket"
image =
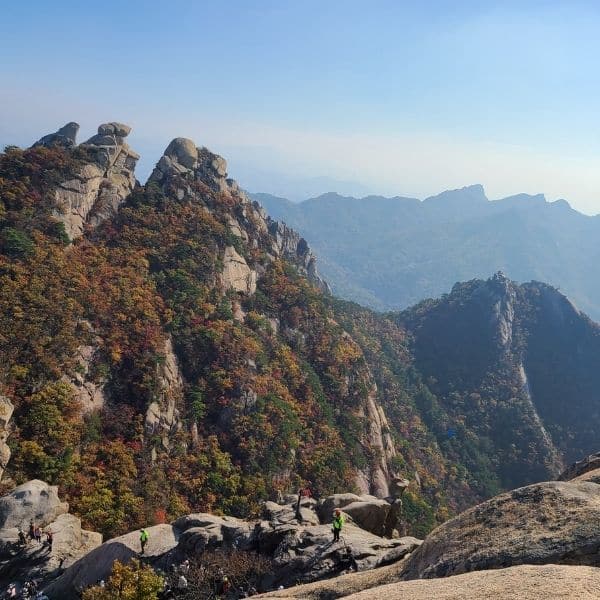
[
  {"x": 143, "y": 539},
  {"x": 338, "y": 522}
]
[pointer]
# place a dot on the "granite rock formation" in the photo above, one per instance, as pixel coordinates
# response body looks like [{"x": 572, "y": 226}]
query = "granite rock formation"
[{"x": 103, "y": 183}]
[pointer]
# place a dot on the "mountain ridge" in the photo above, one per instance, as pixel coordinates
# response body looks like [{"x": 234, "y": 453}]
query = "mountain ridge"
[{"x": 418, "y": 249}]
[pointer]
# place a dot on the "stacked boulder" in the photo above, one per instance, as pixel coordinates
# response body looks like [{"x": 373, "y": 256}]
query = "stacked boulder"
[{"x": 104, "y": 181}]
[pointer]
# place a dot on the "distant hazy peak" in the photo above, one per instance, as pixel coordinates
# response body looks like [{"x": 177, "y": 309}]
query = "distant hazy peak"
[{"x": 466, "y": 195}]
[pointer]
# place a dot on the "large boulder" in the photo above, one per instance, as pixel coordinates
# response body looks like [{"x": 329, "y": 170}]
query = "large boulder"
[
  {"x": 545, "y": 523},
  {"x": 326, "y": 506},
  {"x": 237, "y": 275},
  {"x": 309, "y": 553},
  {"x": 525, "y": 582},
  {"x": 184, "y": 151},
  {"x": 369, "y": 514},
  {"x": 203, "y": 531},
  {"x": 34, "y": 500}
]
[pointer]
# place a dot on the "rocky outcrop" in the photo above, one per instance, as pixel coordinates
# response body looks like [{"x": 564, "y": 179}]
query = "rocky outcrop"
[
  {"x": 237, "y": 275},
  {"x": 87, "y": 390},
  {"x": 580, "y": 468},
  {"x": 6, "y": 411},
  {"x": 66, "y": 137},
  {"x": 375, "y": 478},
  {"x": 545, "y": 523},
  {"x": 289, "y": 245},
  {"x": 100, "y": 187},
  {"x": 162, "y": 415},
  {"x": 37, "y": 501},
  {"x": 515, "y": 583},
  {"x": 183, "y": 163},
  {"x": 302, "y": 550},
  {"x": 34, "y": 500}
]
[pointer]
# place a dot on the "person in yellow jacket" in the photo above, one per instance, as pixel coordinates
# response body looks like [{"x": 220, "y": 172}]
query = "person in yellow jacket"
[
  {"x": 143, "y": 539},
  {"x": 338, "y": 522}
]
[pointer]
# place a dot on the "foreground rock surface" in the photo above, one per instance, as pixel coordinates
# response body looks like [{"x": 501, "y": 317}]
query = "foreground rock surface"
[
  {"x": 545, "y": 523},
  {"x": 524, "y": 582}
]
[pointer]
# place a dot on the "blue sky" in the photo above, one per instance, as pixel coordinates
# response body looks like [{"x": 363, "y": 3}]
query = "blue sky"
[{"x": 384, "y": 97}]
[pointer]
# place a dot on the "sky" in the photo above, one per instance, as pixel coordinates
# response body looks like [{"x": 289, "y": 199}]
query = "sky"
[{"x": 304, "y": 97}]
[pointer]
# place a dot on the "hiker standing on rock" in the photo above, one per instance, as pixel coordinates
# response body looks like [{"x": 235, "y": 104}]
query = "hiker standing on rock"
[
  {"x": 143, "y": 539},
  {"x": 338, "y": 522},
  {"x": 49, "y": 539}
]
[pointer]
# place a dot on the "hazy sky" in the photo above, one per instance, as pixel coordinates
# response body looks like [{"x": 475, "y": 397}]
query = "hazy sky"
[{"x": 398, "y": 97}]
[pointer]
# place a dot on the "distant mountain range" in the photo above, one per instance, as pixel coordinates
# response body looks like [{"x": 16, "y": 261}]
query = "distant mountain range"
[{"x": 390, "y": 253}]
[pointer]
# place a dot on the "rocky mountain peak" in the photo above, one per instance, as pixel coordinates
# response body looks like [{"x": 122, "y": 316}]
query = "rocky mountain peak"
[
  {"x": 100, "y": 186},
  {"x": 183, "y": 157},
  {"x": 184, "y": 162}
]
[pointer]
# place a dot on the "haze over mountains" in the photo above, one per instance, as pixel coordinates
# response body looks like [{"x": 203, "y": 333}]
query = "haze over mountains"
[{"x": 390, "y": 253}]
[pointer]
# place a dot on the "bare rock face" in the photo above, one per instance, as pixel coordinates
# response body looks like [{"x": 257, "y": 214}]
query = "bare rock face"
[
  {"x": 87, "y": 391},
  {"x": 237, "y": 275},
  {"x": 545, "y": 523},
  {"x": 377, "y": 477},
  {"x": 162, "y": 415},
  {"x": 97, "y": 191},
  {"x": 6, "y": 411},
  {"x": 527, "y": 582},
  {"x": 34, "y": 500}
]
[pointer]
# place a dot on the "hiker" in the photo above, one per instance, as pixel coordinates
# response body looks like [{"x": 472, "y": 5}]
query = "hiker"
[
  {"x": 22, "y": 538},
  {"x": 143, "y": 539},
  {"x": 182, "y": 583},
  {"x": 302, "y": 493},
  {"x": 338, "y": 522},
  {"x": 225, "y": 585},
  {"x": 38, "y": 535},
  {"x": 49, "y": 539},
  {"x": 31, "y": 530},
  {"x": 184, "y": 567},
  {"x": 347, "y": 561}
]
